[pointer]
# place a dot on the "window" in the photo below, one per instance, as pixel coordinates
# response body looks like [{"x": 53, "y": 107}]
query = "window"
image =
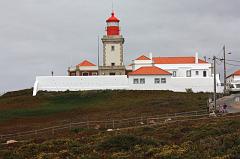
[
  {"x": 94, "y": 73},
  {"x": 85, "y": 74},
  {"x": 156, "y": 80},
  {"x": 135, "y": 81},
  {"x": 188, "y": 73},
  {"x": 112, "y": 48},
  {"x": 174, "y": 73},
  {"x": 72, "y": 73},
  {"x": 204, "y": 73},
  {"x": 113, "y": 64},
  {"x": 112, "y": 24},
  {"x": 163, "y": 80},
  {"x": 142, "y": 80},
  {"x": 112, "y": 73},
  {"x": 197, "y": 73},
  {"x": 237, "y": 85}
]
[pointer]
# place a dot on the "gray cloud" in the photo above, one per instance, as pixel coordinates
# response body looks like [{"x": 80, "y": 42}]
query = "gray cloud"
[{"x": 37, "y": 36}]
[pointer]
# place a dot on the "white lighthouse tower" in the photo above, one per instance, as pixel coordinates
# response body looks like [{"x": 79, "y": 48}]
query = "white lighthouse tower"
[{"x": 112, "y": 49}]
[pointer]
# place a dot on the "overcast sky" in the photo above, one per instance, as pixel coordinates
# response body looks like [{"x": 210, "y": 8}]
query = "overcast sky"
[{"x": 37, "y": 36}]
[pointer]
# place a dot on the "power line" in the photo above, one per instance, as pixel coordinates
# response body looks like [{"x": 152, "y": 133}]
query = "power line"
[
  {"x": 220, "y": 59},
  {"x": 232, "y": 64},
  {"x": 233, "y": 60}
]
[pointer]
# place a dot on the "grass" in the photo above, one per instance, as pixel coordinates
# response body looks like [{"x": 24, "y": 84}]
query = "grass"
[
  {"x": 49, "y": 106},
  {"x": 46, "y": 108},
  {"x": 45, "y": 105},
  {"x": 216, "y": 138}
]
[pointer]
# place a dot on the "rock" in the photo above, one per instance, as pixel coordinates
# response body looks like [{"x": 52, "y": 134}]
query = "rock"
[
  {"x": 11, "y": 142},
  {"x": 109, "y": 130}
]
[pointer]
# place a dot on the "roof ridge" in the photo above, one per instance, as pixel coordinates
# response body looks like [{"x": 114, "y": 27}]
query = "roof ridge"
[
  {"x": 177, "y": 60},
  {"x": 149, "y": 70},
  {"x": 86, "y": 63},
  {"x": 143, "y": 57},
  {"x": 173, "y": 56}
]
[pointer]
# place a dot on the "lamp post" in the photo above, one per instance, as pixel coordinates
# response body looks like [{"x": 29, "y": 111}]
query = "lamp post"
[
  {"x": 224, "y": 68},
  {"x": 215, "y": 87}
]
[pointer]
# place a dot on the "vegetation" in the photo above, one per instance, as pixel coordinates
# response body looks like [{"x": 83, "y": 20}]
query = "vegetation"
[
  {"x": 218, "y": 138},
  {"x": 47, "y": 108}
]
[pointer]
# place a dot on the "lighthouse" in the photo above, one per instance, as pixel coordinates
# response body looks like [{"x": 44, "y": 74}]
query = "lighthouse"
[{"x": 112, "y": 48}]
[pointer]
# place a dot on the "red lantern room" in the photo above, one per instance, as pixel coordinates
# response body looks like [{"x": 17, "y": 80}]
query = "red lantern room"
[{"x": 113, "y": 25}]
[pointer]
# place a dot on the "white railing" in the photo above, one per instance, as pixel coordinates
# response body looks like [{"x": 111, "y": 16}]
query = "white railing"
[
  {"x": 2, "y": 93},
  {"x": 109, "y": 124}
]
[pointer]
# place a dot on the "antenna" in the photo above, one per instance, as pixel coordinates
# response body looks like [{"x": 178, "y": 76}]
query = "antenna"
[
  {"x": 112, "y": 5},
  {"x": 98, "y": 50},
  {"x": 71, "y": 61}
]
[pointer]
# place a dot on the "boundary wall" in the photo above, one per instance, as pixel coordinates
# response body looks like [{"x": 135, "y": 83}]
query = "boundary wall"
[{"x": 121, "y": 82}]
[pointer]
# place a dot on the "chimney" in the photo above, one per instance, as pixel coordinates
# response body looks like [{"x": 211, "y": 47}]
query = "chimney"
[
  {"x": 150, "y": 55},
  {"x": 196, "y": 58}
]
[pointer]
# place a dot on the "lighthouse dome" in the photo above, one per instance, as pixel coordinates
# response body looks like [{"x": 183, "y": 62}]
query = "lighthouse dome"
[{"x": 112, "y": 18}]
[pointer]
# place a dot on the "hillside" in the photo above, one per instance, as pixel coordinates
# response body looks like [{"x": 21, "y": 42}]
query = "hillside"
[
  {"x": 201, "y": 137},
  {"x": 206, "y": 138},
  {"x": 20, "y": 111}
]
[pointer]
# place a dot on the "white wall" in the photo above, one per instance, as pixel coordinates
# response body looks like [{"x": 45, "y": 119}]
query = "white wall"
[
  {"x": 182, "y": 68},
  {"x": 141, "y": 63},
  {"x": 87, "y": 68},
  {"x": 233, "y": 78},
  {"x": 236, "y": 78},
  {"x": 149, "y": 82},
  {"x": 178, "y": 84},
  {"x": 113, "y": 56},
  {"x": 78, "y": 83},
  {"x": 179, "y": 68}
]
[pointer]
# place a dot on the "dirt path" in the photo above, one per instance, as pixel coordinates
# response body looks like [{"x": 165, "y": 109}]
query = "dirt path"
[{"x": 232, "y": 101}]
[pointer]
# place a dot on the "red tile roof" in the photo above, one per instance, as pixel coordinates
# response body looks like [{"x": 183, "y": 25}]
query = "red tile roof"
[
  {"x": 86, "y": 63},
  {"x": 237, "y": 73},
  {"x": 176, "y": 60},
  {"x": 149, "y": 70},
  {"x": 113, "y": 18},
  {"x": 143, "y": 58}
]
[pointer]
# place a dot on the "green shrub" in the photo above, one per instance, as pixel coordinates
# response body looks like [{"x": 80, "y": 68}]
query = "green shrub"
[
  {"x": 189, "y": 90},
  {"x": 124, "y": 143}
]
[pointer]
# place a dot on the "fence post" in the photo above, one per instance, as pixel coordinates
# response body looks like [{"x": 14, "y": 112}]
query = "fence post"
[
  {"x": 88, "y": 124},
  {"x": 113, "y": 124}
]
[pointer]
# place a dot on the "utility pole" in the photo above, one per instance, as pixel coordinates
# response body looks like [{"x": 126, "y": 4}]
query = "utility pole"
[
  {"x": 205, "y": 58},
  {"x": 224, "y": 68},
  {"x": 98, "y": 50},
  {"x": 215, "y": 87}
]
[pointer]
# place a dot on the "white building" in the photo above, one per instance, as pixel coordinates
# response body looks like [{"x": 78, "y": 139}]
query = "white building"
[
  {"x": 148, "y": 73},
  {"x": 178, "y": 66},
  {"x": 234, "y": 77},
  {"x": 145, "y": 73},
  {"x": 233, "y": 82}
]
